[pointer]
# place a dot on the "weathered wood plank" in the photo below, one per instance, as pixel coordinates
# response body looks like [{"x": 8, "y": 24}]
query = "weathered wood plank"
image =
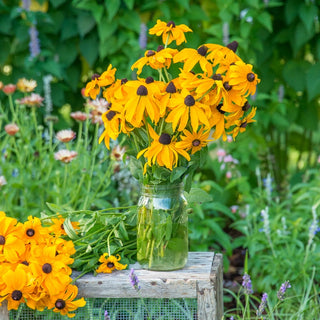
[
  {"x": 154, "y": 284},
  {"x": 4, "y": 313}
]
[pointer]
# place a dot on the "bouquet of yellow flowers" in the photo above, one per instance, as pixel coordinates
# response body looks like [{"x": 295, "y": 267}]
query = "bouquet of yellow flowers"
[{"x": 170, "y": 120}]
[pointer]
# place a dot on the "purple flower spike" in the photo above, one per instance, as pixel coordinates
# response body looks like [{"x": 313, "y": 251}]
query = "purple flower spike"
[
  {"x": 262, "y": 305},
  {"x": 246, "y": 283},
  {"x": 106, "y": 315},
  {"x": 134, "y": 280},
  {"x": 286, "y": 285}
]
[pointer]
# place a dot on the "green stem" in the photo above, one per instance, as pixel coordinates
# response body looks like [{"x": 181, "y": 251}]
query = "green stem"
[
  {"x": 14, "y": 115},
  {"x": 79, "y": 135}
]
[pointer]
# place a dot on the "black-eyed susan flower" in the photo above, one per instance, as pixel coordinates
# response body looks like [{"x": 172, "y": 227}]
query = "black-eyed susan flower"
[
  {"x": 107, "y": 77},
  {"x": 170, "y": 32},
  {"x": 18, "y": 284},
  {"x": 51, "y": 273},
  {"x": 217, "y": 121},
  {"x": 194, "y": 141},
  {"x": 161, "y": 58},
  {"x": 112, "y": 120},
  {"x": 163, "y": 151},
  {"x": 33, "y": 232},
  {"x": 185, "y": 108},
  {"x": 57, "y": 227},
  {"x": 65, "y": 302},
  {"x": 110, "y": 263},
  {"x": 11, "y": 244},
  {"x": 241, "y": 124},
  {"x": 142, "y": 101},
  {"x": 190, "y": 57},
  {"x": 93, "y": 87},
  {"x": 242, "y": 78}
]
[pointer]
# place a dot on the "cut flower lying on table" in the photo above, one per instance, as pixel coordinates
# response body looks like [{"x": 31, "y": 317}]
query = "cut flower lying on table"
[{"x": 170, "y": 119}]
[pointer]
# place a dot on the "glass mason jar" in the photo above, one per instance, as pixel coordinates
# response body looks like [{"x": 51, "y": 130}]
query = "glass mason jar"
[{"x": 162, "y": 229}]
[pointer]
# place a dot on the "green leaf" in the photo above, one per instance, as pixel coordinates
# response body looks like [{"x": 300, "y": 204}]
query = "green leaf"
[
  {"x": 197, "y": 195},
  {"x": 112, "y": 7},
  {"x": 308, "y": 13},
  {"x": 129, "y": 4},
  {"x": 265, "y": 19},
  {"x": 5, "y": 24},
  {"x": 177, "y": 173},
  {"x": 68, "y": 228},
  {"x": 85, "y": 22},
  {"x": 57, "y": 3},
  {"x": 106, "y": 29},
  {"x": 5, "y": 50},
  {"x": 222, "y": 208},
  {"x": 295, "y": 75},
  {"x": 313, "y": 81},
  {"x": 53, "y": 67},
  {"x": 69, "y": 29},
  {"x": 66, "y": 52},
  {"x": 88, "y": 47},
  {"x": 291, "y": 10},
  {"x": 301, "y": 37}
]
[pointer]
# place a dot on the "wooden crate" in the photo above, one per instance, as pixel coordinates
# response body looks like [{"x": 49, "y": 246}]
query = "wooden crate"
[{"x": 200, "y": 279}]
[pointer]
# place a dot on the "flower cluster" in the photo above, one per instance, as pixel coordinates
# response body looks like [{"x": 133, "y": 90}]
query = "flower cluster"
[
  {"x": 110, "y": 263},
  {"x": 35, "y": 266},
  {"x": 171, "y": 119}
]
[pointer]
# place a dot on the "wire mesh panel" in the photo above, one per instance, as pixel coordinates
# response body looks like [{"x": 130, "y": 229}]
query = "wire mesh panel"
[{"x": 120, "y": 309}]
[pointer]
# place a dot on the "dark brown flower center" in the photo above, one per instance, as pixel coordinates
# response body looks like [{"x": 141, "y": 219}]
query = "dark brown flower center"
[
  {"x": 16, "y": 295},
  {"x": 30, "y": 232},
  {"x": 25, "y": 262},
  {"x": 219, "y": 108},
  {"x": 246, "y": 106},
  {"x": 171, "y": 88},
  {"x": 62, "y": 226},
  {"x": 2, "y": 240},
  {"x": 47, "y": 268},
  {"x": 251, "y": 77},
  {"x": 110, "y": 115},
  {"x": 150, "y": 53},
  {"x": 196, "y": 142},
  {"x": 165, "y": 138},
  {"x": 149, "y": 80},
  {"x": 189, "y": 101},
  {"x": 110, "y": 265},
  {"x": 217, "y": 76},
  {"x": 124, "y": 80},
  {"x": 233, "y": 46},
  {"x": 60, "y": 304},
  {"x": 95, "y": 76},
  {"x": 227, "y": 86},
  {"x": 202, "y": 50},
  {"x": 160, "y": 47},
  {"x": 142, "y": 91},
  {"x": 171, "y": 23},
  {"x": 243, "y": 124}
]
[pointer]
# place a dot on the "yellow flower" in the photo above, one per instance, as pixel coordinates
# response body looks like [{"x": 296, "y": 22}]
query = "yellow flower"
[
  {"x": 170, "y": 32},
  {"x": 142, "y": 101},
  {"x": 242, "y": 78},
  {"x": 57, "y": 227},
  {"x": 25, "y": 85},
  {"x": 112, "y": 120},
  {"x": 65, "y": 302},
  {"x": 191, "y": 57},
  {"x": 161, "y": 58},
  {"x": 217, "y": 120},
  {"x": 18, "y": 286},
  {"x": 241, "y": 125},
  {"x": 11, "y": 244},
  {"x": 49, "y": 269},
  {"x": 185, "y": 108},
  {"x": 105, "y": 79},
  {"x": 33, "y": 232},
  {"x": 163, "y": 151},
  {"x": 193, "y": 141},
  {"x": 110, "y": 263}
]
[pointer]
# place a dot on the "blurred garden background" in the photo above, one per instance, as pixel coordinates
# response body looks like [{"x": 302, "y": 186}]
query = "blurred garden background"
[{"x": 265, "y": 186}]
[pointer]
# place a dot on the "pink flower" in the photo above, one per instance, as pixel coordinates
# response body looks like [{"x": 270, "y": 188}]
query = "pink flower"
[
  {"x": 228, "y": 174},
  {"x": 221, "y": 153},
  {"x": 9, "y": 89},
  {"x": 234, "y": 208},
  {"x": 65, "y": 155},
  {"x": 65, "y": 135},
  {"x": 11, "y": 129},
  {"x": 34, "y": 100},
  {"x": 118, "y": 152},
  {"x": 79, "y": 116}
]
